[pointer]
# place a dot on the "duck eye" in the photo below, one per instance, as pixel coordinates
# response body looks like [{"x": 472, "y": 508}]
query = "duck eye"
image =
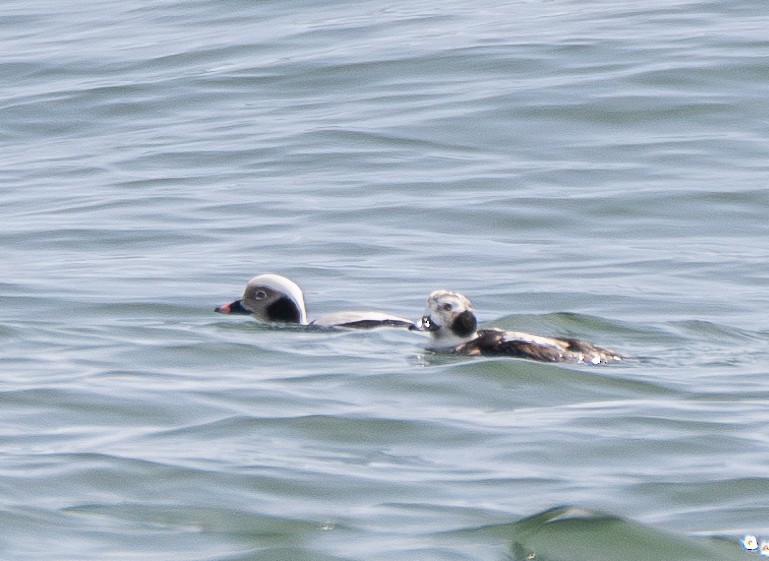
[
  {"x": 260, "y": 295},
  {"x": 447, "y": 307}
]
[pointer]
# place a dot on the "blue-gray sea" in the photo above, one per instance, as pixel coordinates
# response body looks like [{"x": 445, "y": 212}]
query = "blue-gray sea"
[{"x": 596, "y": 169}]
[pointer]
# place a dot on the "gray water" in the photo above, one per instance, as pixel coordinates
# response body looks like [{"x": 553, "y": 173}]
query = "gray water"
[{"x": 591, "y": 169}]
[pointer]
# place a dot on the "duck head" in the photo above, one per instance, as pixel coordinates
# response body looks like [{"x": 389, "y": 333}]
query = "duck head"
[
  {"x": 449, "y": 318},
  {"x": 270, "y": 298}
]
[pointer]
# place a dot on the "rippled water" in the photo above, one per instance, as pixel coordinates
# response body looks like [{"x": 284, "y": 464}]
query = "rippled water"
[{"x": 593, "y": 169}]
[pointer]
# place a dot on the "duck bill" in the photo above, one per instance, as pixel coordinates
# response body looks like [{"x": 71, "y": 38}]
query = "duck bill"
[
  {"x": 235, "y": 307},
  {"x": 425, "y": 324}
]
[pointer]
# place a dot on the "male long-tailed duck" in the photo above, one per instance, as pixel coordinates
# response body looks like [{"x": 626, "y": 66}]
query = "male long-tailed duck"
[
  {"x": 273, "y": 298},
  {"x": 450, "y": 320}
]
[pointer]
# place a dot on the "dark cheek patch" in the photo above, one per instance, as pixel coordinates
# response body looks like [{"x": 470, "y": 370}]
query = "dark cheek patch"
[
  {"x": 464, "y": 324},
  {"x": 284, "y": 309}
]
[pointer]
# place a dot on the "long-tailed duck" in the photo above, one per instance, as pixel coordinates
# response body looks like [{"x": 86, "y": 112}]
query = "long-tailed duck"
[
  {"x": 273, "y": 298},
  {"x": 450, "y": 320}
]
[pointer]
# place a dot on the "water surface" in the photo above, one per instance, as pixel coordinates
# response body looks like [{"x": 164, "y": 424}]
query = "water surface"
[{"x": 596, "y": 170}]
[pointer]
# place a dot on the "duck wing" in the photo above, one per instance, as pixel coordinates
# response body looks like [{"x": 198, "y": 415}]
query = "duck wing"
[
  {"x": 362, "y": 320},
  {"x": 497, "y": 342}
]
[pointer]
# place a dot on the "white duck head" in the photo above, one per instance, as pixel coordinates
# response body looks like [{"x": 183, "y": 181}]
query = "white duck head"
[
  {"x": 449, "y": 318},
  {"x": 270, "y": 298}
]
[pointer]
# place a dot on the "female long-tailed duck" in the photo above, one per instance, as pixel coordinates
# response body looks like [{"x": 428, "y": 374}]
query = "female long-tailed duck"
[
  {"x": 450, "y": 320},
  {"x": 273, "y": 298}
]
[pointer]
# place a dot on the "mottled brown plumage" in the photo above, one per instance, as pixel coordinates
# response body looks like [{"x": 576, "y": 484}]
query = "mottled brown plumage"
[
  {"x": 451, "y": 322},
  {"x": 497, "y": 342}
]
